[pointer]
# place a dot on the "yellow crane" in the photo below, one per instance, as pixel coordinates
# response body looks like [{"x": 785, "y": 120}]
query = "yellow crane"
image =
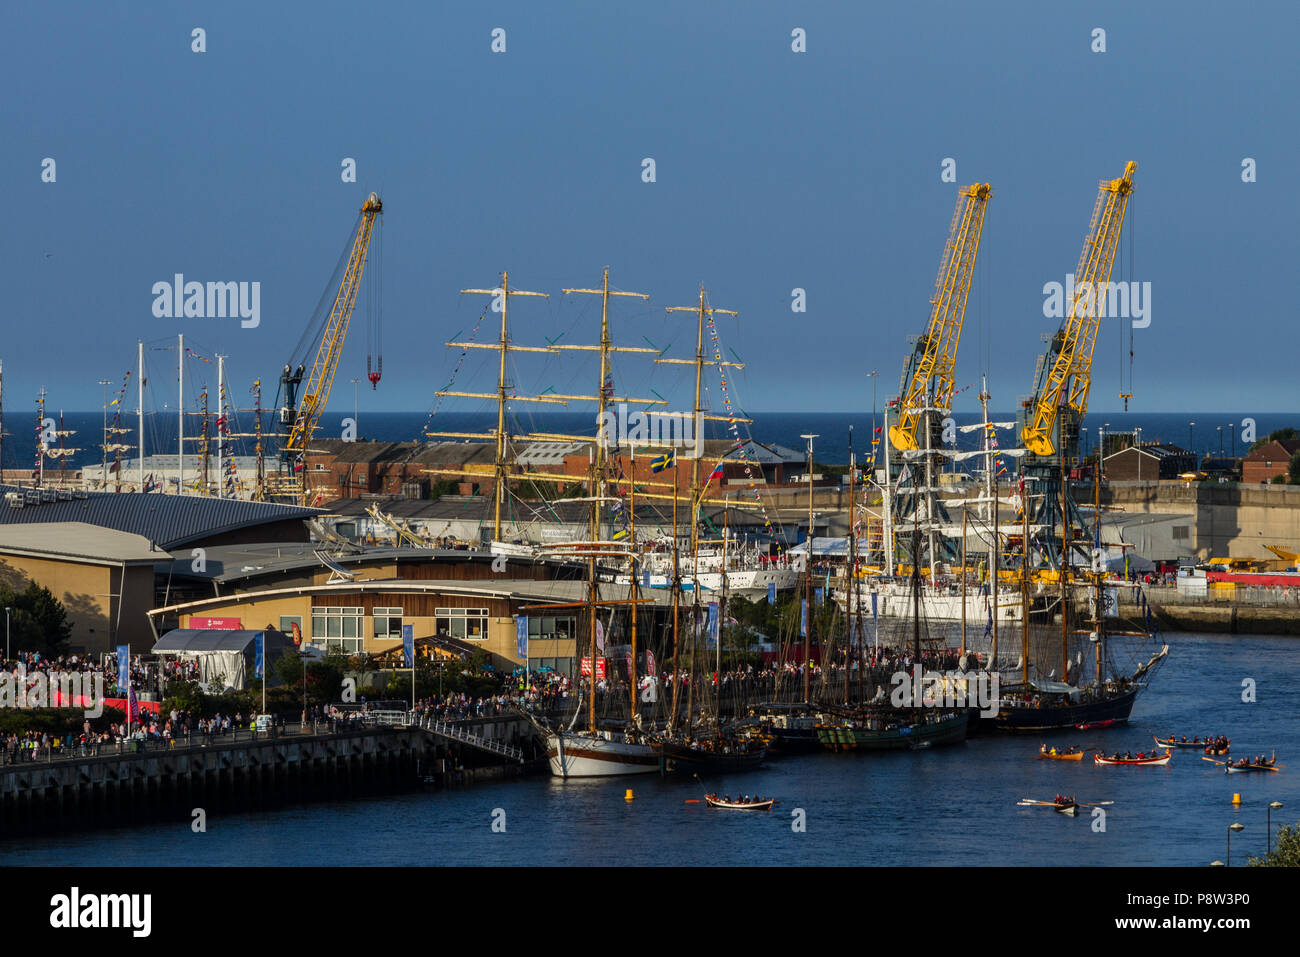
[
  {"x": 301, "y": 417},
  {"x": 928, "y": 372},
  {"x": 1065, "y": 372}
]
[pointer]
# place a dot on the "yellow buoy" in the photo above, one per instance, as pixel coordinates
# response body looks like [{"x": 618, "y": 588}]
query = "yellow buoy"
[
  {"x": 628, "y": 795},
  {"x": 1236, "y": 799}
]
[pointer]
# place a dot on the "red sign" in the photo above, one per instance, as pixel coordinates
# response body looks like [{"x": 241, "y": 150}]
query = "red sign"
[
  {"x": 600, "y": 668},
  {"x": 216, "y": 624}
]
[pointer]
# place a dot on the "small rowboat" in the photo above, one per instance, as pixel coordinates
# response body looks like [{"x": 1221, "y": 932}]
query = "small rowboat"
[
  {"x": 1060, "y": 756},
  {"x": 1239, "y": 768},
  {"x": 714, "y": 801},
  {"x": 1171, "y": 743},
  {"x": 1095, "y": 725},
  {"x": 1102, "y": 759},
  {"x": 1069, "y": 808}
]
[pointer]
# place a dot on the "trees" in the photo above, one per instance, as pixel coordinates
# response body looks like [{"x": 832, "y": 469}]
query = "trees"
[
  {"x": 38, "y": 621},
  {"x": 1286, "y": 849}
]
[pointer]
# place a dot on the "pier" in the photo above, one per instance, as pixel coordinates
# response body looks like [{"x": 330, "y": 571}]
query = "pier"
[{"x": 250, "y": 771}]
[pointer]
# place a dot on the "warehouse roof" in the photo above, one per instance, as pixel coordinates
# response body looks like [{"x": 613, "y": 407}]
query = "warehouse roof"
[
  {"x": 168, "y": 520},
  {"x": 77, "y": 540}
]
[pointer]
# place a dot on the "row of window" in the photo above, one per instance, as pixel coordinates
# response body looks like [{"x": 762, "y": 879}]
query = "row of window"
[{"x": 343, "y": 629}]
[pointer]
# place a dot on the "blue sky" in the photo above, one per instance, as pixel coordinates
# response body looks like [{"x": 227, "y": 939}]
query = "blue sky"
[{"x": 774, "y": 169}]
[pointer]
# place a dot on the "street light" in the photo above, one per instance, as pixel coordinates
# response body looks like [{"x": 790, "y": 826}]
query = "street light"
[
  {"x": 1232, "y": 435},
  {"x": 1220, "y": 429},
  {"x": 8, "y": 609},
  {"x": 1189, "y": 435},
  {"x": 1273, "y": 806},
  {"x": 355, "y": 406},
  {"x": 1234, "y": 826}
]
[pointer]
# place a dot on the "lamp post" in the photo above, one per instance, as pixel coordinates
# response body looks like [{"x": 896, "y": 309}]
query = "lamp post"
[
  {"x": 1273, "y": 806},
  {"x": 1189, "y": 435},
  {"x": 8, "y": 609},
  {"x": 1232, "y": 436},
  {"x": 1220, "y": 430},
  {"x": 355, "y": 406},
  {"x": 1234, "y": 826}
]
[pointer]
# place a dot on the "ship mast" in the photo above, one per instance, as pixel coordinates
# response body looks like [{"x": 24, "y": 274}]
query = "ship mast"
[
  {"x": 991, "y": 486},
  {"x": 808, "y": 616}
]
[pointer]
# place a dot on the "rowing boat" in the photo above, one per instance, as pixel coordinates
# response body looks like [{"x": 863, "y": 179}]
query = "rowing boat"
[
  {"x": 1095, "y": 725},
  {"x": 1102, "y": 759},
  {"x": 1231, "y": 768},
  {"x": 1069, "y": 807},
  {"x": 1205, "y": 746},
  {"x": 1060, "y": 756},
  {"x": 714, "y": 801}
]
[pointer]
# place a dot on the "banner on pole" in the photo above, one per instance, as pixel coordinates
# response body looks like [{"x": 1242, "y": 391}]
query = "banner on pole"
[
  {"x": 123, "y": 666},
  {"x": 771, "y": 593},
  {"x": 259, "y": 655},
  {"x": 521, "y": 637},
  {"x": 408, "y": 645}
]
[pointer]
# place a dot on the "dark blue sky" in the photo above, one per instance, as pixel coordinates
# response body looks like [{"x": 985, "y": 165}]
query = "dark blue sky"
[{"x": 775, "y": 170}]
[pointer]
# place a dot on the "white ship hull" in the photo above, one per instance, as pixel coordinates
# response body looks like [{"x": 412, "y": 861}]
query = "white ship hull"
[
  {"x": 583, "y": 755},
  {"x": 940, "y": 605}
]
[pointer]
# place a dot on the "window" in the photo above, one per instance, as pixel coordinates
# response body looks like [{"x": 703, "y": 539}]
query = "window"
[
  {"x": 340, "y": 628},
  {"x": 465, "y": 623},
  {"x": 288, "y": 621},
  {"x": 388, "y": 623},
  {"x": 1182, "y": 532},
  {"x": 550, "y": 629}
]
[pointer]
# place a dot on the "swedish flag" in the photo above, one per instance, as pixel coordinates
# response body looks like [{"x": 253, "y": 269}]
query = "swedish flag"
[{"x": 665, "y": 461}]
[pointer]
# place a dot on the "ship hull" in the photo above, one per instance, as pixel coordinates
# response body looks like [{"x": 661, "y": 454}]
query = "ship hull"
[
  {"x": 683, "y": 759},
  {"x": 1061, "y": 717},
  {"x": 587, "y": 756},
  {"x": 950, "y": 729}
]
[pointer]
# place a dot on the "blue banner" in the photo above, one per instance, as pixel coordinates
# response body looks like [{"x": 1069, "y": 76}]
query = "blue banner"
[
  {"x": 521, "y": 637},
  {"x": 874, "y": 596},
  {"x": 771, "y": 593},
  {"x": 259, "y": 655},
  {"x": 803, "y": 617},
  {"x": 817, "y": 595},
  {"x": 713, "y": 621},
  {"x": 408, "y": 645},
  {"x": 123, "y": 667},
  {"x": 645, "y": 578}
]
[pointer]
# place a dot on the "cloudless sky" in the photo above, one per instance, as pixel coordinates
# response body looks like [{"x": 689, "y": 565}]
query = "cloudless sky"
[{"x": 775, "y": 170}]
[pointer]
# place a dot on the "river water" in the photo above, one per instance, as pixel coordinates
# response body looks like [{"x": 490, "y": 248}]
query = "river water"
[{"x": 950, "y": 806}]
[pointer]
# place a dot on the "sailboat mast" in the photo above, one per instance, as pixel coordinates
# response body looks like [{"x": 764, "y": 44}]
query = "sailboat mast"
[
  {"x": 963, "y": 581},
  {"x": 991, "y": 490},
  {"x": 1024, "y": 586},
  {"x": 722, "y": 619},
  {"x": 1065, "y": 579},
  {"x": 633, "y": 579},
  {"x": 180, "y": 414},
  {"x": 853, "y": 569},
  {"x": 677, "y": 591},
  {"x": 139, "y": 384},
  {"x": 807, "y": 585},
  {"x": 591, "y": 597}
]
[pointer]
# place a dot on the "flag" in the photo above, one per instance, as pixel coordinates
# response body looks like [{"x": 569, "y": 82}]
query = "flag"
[
  {"x": 716, "y": 474},
  {"x": 649, "y": 661},
  {"x": 666, "y": 461},
  {"x": 259, "y": 655},
  {"x": 771, "y": 593},
  {"x": 713, "y": 621},
  {"x": 408, "y": 645},
  {"x": 600, "y": 638},
  {"x": 620, "y": 534},
  {"x": 803, "y": 617},
  {"x": 132, "y": 707},
  {"x": 297, "y": 632},
  {"x": 521, "y": 637},
  {"x": 123, "y": 667}
]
